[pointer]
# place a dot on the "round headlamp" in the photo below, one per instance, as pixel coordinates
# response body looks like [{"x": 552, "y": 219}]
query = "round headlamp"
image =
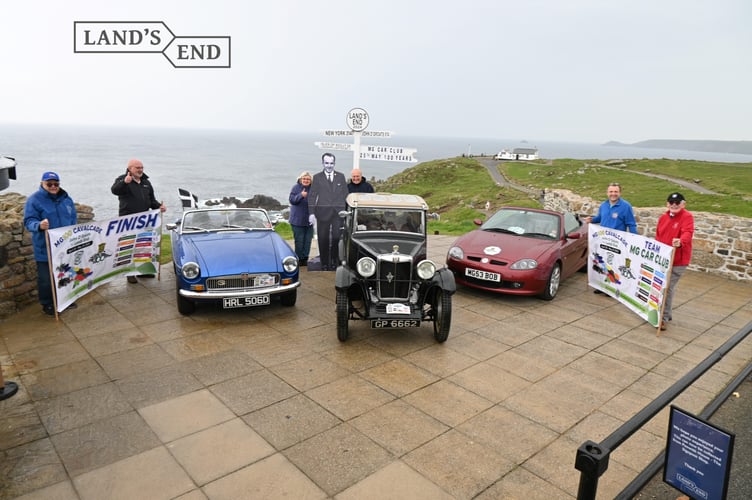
[
  {"x": 426, "y": 269},
  {"x": 290, "y": 264},
  {"x": 190, "y": 270},
  {"x": 366, "y": 267}
]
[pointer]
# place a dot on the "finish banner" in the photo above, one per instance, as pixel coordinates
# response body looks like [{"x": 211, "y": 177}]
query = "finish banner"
[
  {"x": 633, "y": 269},
  {"x": 85, "y": 256}
]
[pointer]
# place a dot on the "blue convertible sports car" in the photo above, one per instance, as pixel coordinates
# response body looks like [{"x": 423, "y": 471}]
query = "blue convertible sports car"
[{"x": 231, "y": 256}]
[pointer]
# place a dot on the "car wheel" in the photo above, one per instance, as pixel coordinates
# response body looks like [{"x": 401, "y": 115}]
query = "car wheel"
[
  {"x": 185, "y": 306},
  {"x": 442, "y": 315},
  {"x": 343, "y": 315},
  {"x": 289, "y": 299},
  {"x": 552, "y": 287}
]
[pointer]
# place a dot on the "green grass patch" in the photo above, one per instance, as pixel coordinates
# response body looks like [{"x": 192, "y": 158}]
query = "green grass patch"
[
  {"x": 455, "y": 188},
  {"x": 732, "y": 181}
]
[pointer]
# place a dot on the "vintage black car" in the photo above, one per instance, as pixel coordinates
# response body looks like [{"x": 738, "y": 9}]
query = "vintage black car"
[{"x": 385, "y": 276}]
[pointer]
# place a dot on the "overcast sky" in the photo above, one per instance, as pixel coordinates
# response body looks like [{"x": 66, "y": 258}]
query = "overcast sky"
[{"x": 574, "y": 70}]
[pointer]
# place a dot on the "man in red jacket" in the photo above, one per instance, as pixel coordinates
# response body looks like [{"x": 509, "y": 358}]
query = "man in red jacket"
[{"x": 675, "y": 228}]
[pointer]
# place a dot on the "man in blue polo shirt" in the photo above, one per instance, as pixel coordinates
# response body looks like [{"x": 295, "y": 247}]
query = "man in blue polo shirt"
[{"x": 615, "y": 212}]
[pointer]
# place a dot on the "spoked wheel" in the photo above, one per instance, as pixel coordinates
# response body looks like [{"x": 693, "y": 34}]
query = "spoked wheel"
[
  {"x": 554, "y": 280},
  {"x": 442, "y": 315},
  {"x": 343, "y": 315}
]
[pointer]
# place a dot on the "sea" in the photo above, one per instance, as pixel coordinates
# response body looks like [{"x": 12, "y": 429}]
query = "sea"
[{"x": 213, "y": 164}]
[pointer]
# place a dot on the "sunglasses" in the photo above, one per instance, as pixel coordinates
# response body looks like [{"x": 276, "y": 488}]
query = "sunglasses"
[
  {"x": 52, "y": 184},
  {"x": 677, "y": 203}
]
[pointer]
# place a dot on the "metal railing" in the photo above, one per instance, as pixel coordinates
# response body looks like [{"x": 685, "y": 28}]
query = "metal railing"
[{"x": 592, "y": 458}]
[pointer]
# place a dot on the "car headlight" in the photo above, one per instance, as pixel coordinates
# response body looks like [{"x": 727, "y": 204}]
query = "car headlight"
[
  {"x": 366, "y": 267},
  {"x": 524, "y": 265},
  {"x": 426, "y": 269},
  {"x": 190, "y": 270},
  {"x": 456, "y": 253},
  {"x": 290, "y": 264}
]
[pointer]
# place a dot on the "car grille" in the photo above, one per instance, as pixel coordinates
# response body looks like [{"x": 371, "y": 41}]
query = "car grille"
[
  {"x": 394, "y": 276},
  {"x": 493, "y": 262},
  {"x": 242, "y": 281}
]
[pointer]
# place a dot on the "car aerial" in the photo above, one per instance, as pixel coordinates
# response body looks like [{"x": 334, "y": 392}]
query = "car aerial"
[
  {"x": 385, "y": 277},
  {"x": 233, "y": 257},
  {"x": 520, "y": 251}
]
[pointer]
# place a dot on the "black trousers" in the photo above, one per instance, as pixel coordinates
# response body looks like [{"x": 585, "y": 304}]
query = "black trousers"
[{"x": 328, "y": 232}]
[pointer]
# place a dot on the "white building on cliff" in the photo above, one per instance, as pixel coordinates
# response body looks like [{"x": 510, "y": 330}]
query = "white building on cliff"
[{"x": 522, "y": 154}]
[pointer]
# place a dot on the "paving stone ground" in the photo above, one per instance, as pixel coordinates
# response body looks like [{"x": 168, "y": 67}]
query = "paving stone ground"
[{"x": 125, "y": 398}]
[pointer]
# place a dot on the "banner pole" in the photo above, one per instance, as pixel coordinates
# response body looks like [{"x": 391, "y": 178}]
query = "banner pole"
[
  {"x": 159, "y": 260},
  {"x": 52, "y": 275}
]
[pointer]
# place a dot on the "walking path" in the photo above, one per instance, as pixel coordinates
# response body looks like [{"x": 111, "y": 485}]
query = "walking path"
[
  {"x": 126, "y": 398},
  {"x": 500, "y": 180}
]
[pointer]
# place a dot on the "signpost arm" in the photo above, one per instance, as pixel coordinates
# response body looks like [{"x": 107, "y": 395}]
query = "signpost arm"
[{"x": 356, "y": 149}]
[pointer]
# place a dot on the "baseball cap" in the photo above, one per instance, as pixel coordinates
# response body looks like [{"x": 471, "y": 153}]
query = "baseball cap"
[
  {"x": 675, "y": 197},
  {"x": 50, "y": 176}
]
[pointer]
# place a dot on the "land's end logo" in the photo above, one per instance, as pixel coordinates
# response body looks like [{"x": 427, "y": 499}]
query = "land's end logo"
[{"x": 151, "y": 36}]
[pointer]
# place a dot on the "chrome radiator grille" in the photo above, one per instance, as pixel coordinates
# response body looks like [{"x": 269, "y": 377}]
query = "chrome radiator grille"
[{"x": 394, "y": 276}]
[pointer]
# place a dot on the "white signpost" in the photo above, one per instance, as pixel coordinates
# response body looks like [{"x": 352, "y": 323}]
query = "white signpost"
[{"x": 357, "y": 121}]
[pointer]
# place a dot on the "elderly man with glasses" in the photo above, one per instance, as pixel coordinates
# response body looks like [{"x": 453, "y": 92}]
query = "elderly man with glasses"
[
  {"x": 49, "y": 207},
  {"x": 676, "y": 228}
]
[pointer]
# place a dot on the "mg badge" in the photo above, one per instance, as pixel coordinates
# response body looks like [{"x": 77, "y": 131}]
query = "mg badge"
[
  {"x": 484, "y": 260},
  {"x": 493, "y": 250}
]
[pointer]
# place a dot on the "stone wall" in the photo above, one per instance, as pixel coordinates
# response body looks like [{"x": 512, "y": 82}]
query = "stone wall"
[
  {"x": 18, "y": 271},
  {"x": 722, "y": 243}
]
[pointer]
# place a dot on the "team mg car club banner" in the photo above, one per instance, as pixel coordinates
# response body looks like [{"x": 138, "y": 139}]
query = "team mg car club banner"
[
  {"x": 84, "y": 256},
  {"x": 631, "y": 268}
]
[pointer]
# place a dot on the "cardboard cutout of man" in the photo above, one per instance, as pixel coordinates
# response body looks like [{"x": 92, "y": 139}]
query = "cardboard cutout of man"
[{"x": 326, "y": 199}]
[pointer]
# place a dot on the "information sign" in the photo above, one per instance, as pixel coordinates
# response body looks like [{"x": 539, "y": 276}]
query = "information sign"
[{"x": 698, "y": 456}]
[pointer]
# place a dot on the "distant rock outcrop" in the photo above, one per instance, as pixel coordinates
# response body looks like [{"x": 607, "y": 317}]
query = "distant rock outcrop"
[{"x": 258, "y": 201}]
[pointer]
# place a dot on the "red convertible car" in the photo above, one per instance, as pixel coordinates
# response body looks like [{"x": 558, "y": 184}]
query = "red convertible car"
[{"x": 521, "y": 251}]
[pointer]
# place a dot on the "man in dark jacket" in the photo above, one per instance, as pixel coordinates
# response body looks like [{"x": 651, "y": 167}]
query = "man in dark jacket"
[
  {"x": 325, "y": 200},
  {"x": 135, "y": 192},
  {"x": 49, "y": 207},
  {"x": 358, "y": 184}
]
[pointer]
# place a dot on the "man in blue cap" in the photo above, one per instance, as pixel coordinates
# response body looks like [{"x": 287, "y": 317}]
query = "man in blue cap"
[{"x": 49, "y": 207}]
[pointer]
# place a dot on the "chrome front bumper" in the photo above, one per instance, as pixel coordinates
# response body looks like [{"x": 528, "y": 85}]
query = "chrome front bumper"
[{"x": 219, "y": 294}]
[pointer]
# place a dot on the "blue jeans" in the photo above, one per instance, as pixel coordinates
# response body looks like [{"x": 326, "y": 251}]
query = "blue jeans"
[
  {"x": 44, "y": 283},
  {"x": 303, "y": 235}
]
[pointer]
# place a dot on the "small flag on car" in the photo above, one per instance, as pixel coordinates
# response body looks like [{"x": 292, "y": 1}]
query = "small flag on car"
[{"x": 188, "y": 199}]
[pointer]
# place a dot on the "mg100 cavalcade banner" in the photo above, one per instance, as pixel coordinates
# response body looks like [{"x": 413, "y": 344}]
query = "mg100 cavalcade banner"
[
  {"x": 84, "y": 256},
  {"x": 633, "y": 269}
]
